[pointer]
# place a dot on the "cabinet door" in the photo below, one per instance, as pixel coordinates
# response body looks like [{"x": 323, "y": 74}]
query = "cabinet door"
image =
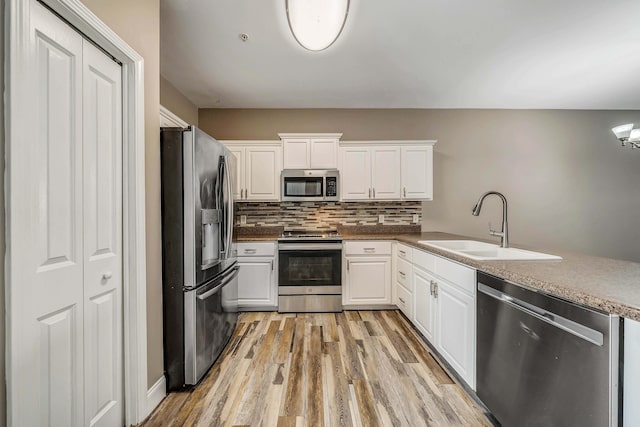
[
  {"x": 417, "y": 172},
  {"x": 324, "y": 153},
  {"x": 424, "y": 303},
  {"x": 385, "y": 172},
  {"x": 297, "y": 153},
  {"x": 368, "y": 280},
  {"x": 355, "y": 173},
  {"x": 455, "y": 334},
  {"x": 256, "y": 282},
  {"x": 237, "y": 172},
  {"x": 262, "y": 174}
]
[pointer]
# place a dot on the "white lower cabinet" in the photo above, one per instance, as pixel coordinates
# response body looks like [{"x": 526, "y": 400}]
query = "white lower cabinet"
[
  {"x": 367, "y": 273},
  {"x": 257, "y": 283},
  {"x": 444, "y": 309},
  {"x": 455, "y": 329},
  {"x": 424, "y": 310}
]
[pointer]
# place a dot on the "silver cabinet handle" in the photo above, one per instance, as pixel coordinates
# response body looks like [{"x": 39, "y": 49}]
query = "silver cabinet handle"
[
  {"x": 401, "y": 300},
  {"x": 370, "y": 250},
  {"x": 435, "y": 290},
  {"x": 249, "y": 251},
  {"x": 369, "y": 193},
  {"x": 347, "y": 265},
  {"x": 431, "y": 286},
  {"x": 271, "y": 265},
  {"x": 402, "y": 274},
  {"x": 374, "y": 193},
  {"x": 106, "y": 276},
  {"x": 403, "y": 253},
  {"x": 404, "y": 190}
]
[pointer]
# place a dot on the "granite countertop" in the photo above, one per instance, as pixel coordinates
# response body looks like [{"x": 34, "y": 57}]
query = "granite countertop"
[
  {"x": 606, "y": 284},
  {"x": 610, "y": 285}
]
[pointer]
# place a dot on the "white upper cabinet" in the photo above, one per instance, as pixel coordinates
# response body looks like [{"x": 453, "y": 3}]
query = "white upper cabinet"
[
  {"x": 386, "y": 170},
  {"x": 417, "y": 172},
  {"x": 310, "y": 150},
  {"x": 355, "y": 173},
  {"x": 256, "y": 173}
]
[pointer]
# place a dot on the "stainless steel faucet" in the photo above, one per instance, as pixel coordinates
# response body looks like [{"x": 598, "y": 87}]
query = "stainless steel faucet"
[{"x": 504, "y": 234}]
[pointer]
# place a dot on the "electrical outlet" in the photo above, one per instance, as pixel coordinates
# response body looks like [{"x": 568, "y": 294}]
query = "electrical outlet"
[
  {"x": 243, "y": 219},
  {"x": 416, "y": 218},
  {"x": 381, "y": 219}
]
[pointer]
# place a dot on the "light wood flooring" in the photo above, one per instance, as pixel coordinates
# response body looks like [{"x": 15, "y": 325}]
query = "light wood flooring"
[{"x": 357, "y": 368}]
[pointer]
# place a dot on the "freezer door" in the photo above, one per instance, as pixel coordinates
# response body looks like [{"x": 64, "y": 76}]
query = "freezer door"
[{"x": 211, "y": 314}]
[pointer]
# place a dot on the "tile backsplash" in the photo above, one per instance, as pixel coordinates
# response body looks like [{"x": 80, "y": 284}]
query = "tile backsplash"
[{"x": 325, "y": 215}]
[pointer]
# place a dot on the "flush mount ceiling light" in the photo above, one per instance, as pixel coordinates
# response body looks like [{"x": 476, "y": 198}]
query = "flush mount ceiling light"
[
  {"x": 316, "y": 24},
  {"x": 627, "y": 134}
]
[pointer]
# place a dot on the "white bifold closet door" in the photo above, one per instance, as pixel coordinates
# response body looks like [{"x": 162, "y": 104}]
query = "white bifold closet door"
[{"x": 66, "y": 281}]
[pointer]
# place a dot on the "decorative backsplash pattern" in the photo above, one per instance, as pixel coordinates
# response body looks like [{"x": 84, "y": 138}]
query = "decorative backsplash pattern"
[{"x": 325, "y": 215}]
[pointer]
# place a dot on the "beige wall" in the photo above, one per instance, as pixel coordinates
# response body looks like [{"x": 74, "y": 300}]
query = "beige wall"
[
  {"x": 138, "y": 23},
  {"x": 569, "y": 185},
  {"x": 2, "y": 235},
  {"x": 177, "y": 103}
]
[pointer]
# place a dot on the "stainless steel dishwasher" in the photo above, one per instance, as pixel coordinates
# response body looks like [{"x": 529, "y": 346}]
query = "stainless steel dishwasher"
[{"x": 543, "y": 361}]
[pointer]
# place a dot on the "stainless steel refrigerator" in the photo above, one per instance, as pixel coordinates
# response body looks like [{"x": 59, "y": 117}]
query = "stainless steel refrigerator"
[{"x": 200, "y": 287}]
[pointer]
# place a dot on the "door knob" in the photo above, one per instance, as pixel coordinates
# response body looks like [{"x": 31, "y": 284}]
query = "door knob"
[{"x": 107, "y": 275}]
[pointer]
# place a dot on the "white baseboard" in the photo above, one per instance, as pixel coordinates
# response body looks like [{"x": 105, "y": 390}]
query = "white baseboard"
[{"x": 155, "y": 394}]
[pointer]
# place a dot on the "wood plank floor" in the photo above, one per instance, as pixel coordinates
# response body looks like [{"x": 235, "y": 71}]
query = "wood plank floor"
[{"x": 357, "y": 368}]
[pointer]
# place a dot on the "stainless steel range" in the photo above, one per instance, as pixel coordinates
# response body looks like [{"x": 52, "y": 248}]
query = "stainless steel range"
[{"x": 310, "y": 272}]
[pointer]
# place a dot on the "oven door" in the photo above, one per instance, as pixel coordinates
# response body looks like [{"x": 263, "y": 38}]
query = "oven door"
[{"x": 310, "y": 264}]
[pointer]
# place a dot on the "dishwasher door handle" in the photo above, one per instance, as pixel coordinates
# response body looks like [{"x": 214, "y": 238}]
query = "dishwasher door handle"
[{"x": 560, "y": 322}]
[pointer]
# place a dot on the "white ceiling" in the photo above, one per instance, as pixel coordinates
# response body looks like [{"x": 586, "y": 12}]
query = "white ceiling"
[{"x": 569, "y": 54}]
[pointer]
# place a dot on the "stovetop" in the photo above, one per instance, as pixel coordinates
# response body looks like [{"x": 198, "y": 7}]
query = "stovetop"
[{"x": 293, "y": 235}]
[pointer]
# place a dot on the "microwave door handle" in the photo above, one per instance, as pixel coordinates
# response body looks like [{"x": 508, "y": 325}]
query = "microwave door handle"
[{"x": 229, "y": 224}]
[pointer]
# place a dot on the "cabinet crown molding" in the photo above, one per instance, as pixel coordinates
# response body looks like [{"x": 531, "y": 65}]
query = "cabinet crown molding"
[
  {"x": 252, "y": 143},
  {"x": 309, "y": 135},
  {"x": 421, "y": 142}
]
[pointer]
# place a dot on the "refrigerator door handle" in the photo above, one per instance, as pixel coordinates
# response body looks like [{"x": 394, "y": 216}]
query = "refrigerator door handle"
[{"x": 230, "y": 217}]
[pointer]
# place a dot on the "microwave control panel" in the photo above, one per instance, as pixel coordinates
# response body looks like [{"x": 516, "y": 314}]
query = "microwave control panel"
[{"x": 332, "y": 186}]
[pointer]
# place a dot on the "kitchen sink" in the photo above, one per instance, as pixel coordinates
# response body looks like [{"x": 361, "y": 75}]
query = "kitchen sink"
[{"x": 482, "y": 251}]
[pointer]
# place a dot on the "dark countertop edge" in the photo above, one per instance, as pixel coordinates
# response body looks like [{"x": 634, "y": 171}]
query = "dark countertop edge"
[{"x": 496, "y": 268}]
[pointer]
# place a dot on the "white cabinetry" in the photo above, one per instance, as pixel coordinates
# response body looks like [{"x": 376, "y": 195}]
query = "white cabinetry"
[
  {"x": 390, "y": 170},
  {"x": 310, "y": 150},
  {"x": 631, "y": 368},
  {"x": 369, "y": 173},
  {"x": 256, "y": 173},
  {"x": 445, "y": 308},
  {"x": 257, "y": 283},
  {"x": 367, "y": 267},
  {"x": 403, "y": 286},
  {"x": 417, "y": 172}
]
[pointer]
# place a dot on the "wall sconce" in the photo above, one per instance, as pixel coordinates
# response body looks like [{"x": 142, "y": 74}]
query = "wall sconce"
[
  {"x": 627, "y": 134},
  {"x": 316, "y": 24}
]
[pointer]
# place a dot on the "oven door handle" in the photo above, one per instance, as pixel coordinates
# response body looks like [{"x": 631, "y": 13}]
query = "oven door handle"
[{"x": 309, "y": 246}]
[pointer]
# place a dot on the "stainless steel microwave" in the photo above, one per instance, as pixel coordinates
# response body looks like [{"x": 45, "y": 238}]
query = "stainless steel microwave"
[{"x": 308, "y": 185}]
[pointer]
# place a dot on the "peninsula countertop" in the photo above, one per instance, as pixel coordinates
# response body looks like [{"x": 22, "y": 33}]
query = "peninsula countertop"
[{"x": 606, "y": 284}]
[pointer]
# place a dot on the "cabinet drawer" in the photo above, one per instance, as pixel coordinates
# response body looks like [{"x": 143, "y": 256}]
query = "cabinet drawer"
[
  {"x": 403, "y": 273},
  {"x": 405, "y": 252},
  {"x": 256, "y": 249},
  {"x": 404, "y": 301},
  {"x": 460, "y": 275},
  {"x": 367, "y": 248}
]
